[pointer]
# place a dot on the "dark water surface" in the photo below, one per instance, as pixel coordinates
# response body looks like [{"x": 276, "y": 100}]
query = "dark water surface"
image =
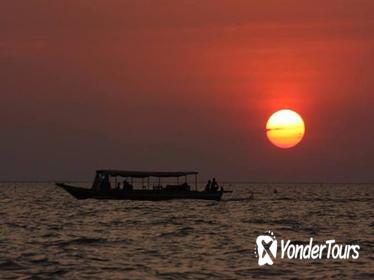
[{"x": 46, "y": 234}]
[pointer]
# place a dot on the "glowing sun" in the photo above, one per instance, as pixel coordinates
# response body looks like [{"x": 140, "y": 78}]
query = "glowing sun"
[{"x": 285, "y": 129}]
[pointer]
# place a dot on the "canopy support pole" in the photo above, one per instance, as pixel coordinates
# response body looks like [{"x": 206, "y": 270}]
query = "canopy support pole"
[{"x": 195, "y": 182}]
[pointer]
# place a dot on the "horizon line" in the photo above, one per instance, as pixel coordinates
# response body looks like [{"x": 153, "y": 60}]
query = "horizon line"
[{"x": 223, "y": 182}]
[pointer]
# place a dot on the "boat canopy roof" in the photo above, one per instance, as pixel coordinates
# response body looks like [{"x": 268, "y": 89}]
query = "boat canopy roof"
[{"x": 144, "y": 174}]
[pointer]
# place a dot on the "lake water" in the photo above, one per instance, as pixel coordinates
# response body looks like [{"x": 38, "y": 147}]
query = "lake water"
[{"x": 47, "y": 234}]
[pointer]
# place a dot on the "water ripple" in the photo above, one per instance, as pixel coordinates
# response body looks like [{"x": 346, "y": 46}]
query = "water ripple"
[{"x": 46, "y": 234}]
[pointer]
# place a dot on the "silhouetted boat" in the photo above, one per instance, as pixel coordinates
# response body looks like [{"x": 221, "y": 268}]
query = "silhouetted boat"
[{"x": 102, "y": 188}]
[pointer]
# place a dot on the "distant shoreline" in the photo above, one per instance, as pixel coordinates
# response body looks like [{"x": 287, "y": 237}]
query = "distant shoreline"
[{"x": 203, "y": 182}]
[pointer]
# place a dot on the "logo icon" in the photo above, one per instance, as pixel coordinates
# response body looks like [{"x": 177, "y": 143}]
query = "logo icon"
[{"x": 266, "y": 248}]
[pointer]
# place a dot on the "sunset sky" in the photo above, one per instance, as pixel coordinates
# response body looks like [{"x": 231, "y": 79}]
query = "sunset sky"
[{"x": 180, "y": 85}]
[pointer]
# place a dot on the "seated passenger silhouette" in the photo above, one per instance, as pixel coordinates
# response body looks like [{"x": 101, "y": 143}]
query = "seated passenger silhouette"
[
  {"x": 208, "y": 186},
  {"x": 105, "y": 184},
  {"x": 127, "y": 185},
  {"x": 184, "y": 187},
  {"x": 214, "y": 186}
]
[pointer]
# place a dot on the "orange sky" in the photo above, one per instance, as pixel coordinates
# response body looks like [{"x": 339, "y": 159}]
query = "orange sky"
[{"x": 186, "y": 85}]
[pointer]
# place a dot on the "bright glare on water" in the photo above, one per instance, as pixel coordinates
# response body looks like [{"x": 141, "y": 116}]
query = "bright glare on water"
[{"x": 45, "y": 233}]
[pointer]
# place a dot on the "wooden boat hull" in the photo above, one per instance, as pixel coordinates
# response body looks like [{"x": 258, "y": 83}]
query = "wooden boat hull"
[{"x": 152, "y": 195}]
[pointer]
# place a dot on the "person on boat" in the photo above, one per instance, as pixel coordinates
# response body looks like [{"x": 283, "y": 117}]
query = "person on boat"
[
  {"x": 105, "y": 184},
  {"x": 208, "y": 186},
  {"x": 185, "y": 186},
  {"x": 214, "y": 185},
  {"x": 127, "y": 185}
]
